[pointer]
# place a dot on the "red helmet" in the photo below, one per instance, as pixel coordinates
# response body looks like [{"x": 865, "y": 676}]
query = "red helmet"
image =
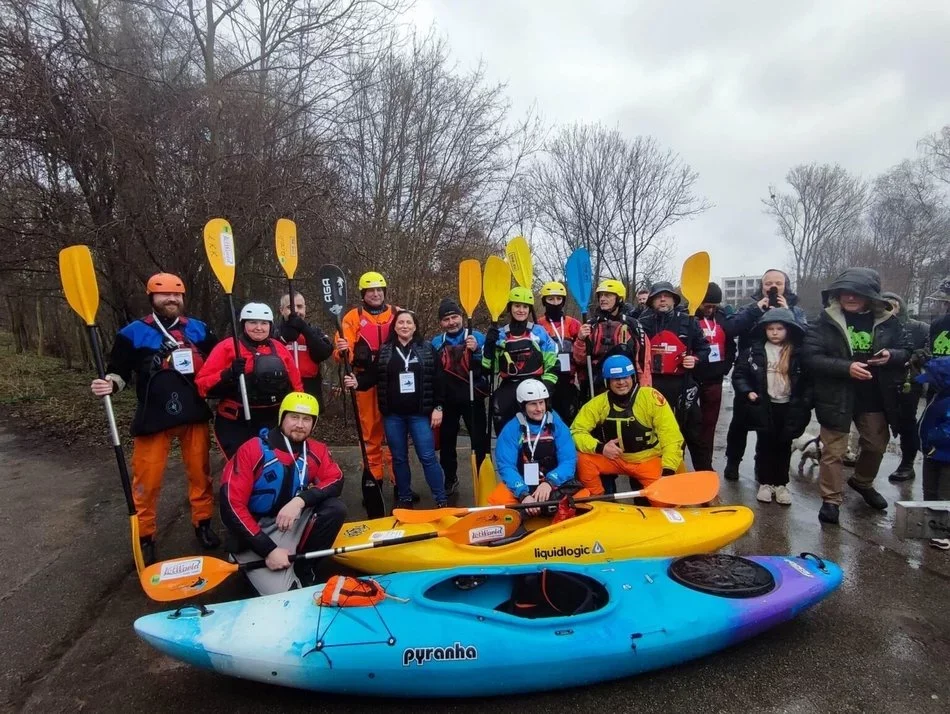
[{"x": 164, "y": 283}]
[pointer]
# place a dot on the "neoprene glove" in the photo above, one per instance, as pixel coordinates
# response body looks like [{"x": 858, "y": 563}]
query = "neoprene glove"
[{"x": 669, "y": 472}]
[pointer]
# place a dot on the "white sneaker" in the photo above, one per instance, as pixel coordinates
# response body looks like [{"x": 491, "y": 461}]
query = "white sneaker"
[
  {"x": 764, "y": 494},
  {"x": 783, "y": 495}
]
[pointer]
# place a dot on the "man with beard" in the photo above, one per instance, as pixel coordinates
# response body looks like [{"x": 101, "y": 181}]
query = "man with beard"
[
  {"x": 460, "y": 351},
  {"x": 613, "y": 330},
  {"x": 280, "y": 494},
  {"x": 307, "y": 343},
  {"x": 677, "y": 346},
  {"x": 163, "y": 351}
]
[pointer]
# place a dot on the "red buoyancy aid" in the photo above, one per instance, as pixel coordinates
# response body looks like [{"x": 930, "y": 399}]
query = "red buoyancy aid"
[
  {"x": 716, "y": 337},
  {"x": 371, "y": 337},
  {"x": 308, "y": 368},
  {"x": 667, "y": 350},
  {"x": 522, "y": 356}
]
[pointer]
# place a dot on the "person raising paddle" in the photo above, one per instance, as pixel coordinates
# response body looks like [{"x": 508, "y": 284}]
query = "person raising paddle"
[
  {"x": 534, "y": 455},
  {"x": 613, "y": 329},
  {"x": 365, "y": 329},
  {"x": 163, "y": 351},
  {"x": 270, "y": 373},
  {"x": 280, "y": 494},
  {"x": 563, "y": 330},
  {"x": 520, "y": 350},
  {"x": 629, "y": 429}
]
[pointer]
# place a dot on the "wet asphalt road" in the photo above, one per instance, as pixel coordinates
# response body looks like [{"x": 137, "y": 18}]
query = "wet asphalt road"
[{"x": 881, "y": 643}]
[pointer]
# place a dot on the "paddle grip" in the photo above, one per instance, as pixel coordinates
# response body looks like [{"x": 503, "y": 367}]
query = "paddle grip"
[{"x": 293, "y": 310}]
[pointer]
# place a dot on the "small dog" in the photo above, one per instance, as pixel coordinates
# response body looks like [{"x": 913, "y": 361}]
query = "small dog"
[{"x": 810, "y": 447}]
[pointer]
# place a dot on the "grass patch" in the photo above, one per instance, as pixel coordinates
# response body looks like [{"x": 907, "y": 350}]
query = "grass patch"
[{"x": 41, "y": 397}]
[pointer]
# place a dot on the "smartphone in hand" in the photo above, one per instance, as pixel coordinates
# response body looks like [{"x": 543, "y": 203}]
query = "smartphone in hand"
[{"x": 773, "y": 296}]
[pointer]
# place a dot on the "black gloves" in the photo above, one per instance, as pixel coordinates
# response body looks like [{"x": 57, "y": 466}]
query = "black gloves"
[
  {"x": 237, "y": 368},
  {"x": 491, "y": 337},
  {"x": 669, "y": 472}
]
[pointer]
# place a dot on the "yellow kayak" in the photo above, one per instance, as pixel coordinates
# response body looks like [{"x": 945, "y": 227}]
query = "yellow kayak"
[{"x": 602, "y": 532}]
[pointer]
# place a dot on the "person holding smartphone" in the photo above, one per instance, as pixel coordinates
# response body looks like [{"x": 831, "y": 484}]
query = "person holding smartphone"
[
  {"x": 774, "y": 291},
  {"x": 856, "y": 354}
]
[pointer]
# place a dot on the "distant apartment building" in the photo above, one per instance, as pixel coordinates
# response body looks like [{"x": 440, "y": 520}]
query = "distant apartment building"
[{"x": 736, "y": 290}]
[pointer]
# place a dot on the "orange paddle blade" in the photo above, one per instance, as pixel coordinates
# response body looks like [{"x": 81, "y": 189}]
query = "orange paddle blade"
[
  {"x": 184, "y": 577},
  {"x": 686, "y": 489},
  {"x": 409, "y": 515},
  {"x": 470, "y": 285},
  {"x": 286, "y": 241},
  {"x": 483, "y": 527},
  {"x": 219, "y": 247},
  {"x": 694, "y": 280},
  {"x": 79, "y": 281}
]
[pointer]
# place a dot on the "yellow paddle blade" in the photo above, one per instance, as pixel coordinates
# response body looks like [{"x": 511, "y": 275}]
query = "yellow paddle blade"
[
  {"x": 470, "y": 285},
  {"x": 79, "y": 281},
  {"x": 519, "y": 258},
  {"x": 497, "y": 283},
  {"x": 694, "y": 280},
  {"x": 219, "y": 247},
  {"x": 486, "y": 482},
  {"x": 286, "y": 236}
]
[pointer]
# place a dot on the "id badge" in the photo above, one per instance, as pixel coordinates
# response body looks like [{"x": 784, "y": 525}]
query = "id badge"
[
  {"x": 714, "y": 355},
  {"x": 407, "y": 382},
  {"x": 564, "y": 362},
  {"x": 532, "y": 474},
  {"x": 183, "y": 361}
]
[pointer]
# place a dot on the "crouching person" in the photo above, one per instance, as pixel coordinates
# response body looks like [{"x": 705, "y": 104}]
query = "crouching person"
[
  {"x": 628, "y": 429},
  {"x": 280, "y": 494},
  {"x": 535, "y": 454}
]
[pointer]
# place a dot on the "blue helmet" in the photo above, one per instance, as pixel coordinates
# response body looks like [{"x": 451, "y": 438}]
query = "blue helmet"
[{"x": 617, "y": 367}]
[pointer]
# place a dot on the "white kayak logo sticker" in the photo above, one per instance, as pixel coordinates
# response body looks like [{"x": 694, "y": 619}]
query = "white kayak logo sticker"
[
  {"x": 799, "y": 568},
  {"x": 180, "y": 569},
  {"x": 452, "y": 653},
  {"x": 485, "y": 533},
  {"x": 386, "y": 535},
  {"x": 673, "y": 516}
]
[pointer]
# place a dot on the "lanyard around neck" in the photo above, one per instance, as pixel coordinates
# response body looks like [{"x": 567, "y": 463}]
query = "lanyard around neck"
[{"x": 300, "y": 463}]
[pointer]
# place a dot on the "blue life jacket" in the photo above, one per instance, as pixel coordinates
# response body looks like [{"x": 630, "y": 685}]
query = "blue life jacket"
[
  {"x": 276, "y": 484},
  {"x": 934, "y": 424}
]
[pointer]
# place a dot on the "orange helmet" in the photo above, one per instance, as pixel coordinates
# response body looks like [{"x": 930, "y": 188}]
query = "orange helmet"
[{"x": 164, "y": 283}]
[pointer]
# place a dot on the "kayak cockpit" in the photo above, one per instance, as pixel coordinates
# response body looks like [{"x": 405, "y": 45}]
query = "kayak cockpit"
[{"x": 544, "y": 593}]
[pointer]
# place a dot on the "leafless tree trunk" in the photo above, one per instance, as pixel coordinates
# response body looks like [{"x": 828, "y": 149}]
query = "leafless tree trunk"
[{"x": 819, "y": 219}]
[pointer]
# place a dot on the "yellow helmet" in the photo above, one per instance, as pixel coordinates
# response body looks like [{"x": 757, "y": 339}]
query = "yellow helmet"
[
  {"x": 615, "y": 287},
  {"x": 522, "y": 295},
  {"x": 299, "y": 403},
  {"x": 372, "y": 279},
  {"x": 553, "y": 288}
]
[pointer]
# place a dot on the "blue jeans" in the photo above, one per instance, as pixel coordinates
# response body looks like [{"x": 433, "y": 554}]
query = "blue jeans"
[{"x": 398, "y": 427}]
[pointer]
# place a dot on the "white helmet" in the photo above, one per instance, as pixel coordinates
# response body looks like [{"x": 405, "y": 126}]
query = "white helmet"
[
  {"x": 531, "y": 390},
  {"x": 256, "y": 311}
]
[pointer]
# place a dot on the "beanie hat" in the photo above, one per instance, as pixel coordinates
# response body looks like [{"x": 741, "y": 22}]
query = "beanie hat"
[
  {"x": 713, "y": 294},
  {"x": 448, "y": 306}
]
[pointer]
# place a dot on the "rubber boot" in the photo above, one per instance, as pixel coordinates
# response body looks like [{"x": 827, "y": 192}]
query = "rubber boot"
[
  {"x": 904, "y": 472},
  {"x": 148, "y": 550},
  {"x": 731, "y": 472},
  {"x": 206, "y": 537}
]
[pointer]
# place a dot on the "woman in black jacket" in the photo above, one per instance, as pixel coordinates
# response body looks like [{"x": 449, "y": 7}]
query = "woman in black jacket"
[
  {"x": 774, "y": 397},
  {"x": 408, "y": 374}
]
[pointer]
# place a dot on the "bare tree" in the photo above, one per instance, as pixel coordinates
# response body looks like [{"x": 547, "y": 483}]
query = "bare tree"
[
  {"x": 615, "y": 197},
  {"x": 819, "y": 220}
]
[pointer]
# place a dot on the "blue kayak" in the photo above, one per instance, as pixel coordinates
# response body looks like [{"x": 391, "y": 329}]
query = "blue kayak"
[{"x": 476, "y": 631}]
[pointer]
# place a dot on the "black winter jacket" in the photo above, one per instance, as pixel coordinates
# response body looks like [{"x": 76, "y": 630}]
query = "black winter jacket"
[
  {"x": 828, "y": 356},
  {"x": 428, "y": 376},
  {"x": 751, "y": 375}
]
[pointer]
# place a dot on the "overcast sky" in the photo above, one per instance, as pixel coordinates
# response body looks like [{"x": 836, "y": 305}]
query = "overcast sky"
[{"x": 741, "y": 90}]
